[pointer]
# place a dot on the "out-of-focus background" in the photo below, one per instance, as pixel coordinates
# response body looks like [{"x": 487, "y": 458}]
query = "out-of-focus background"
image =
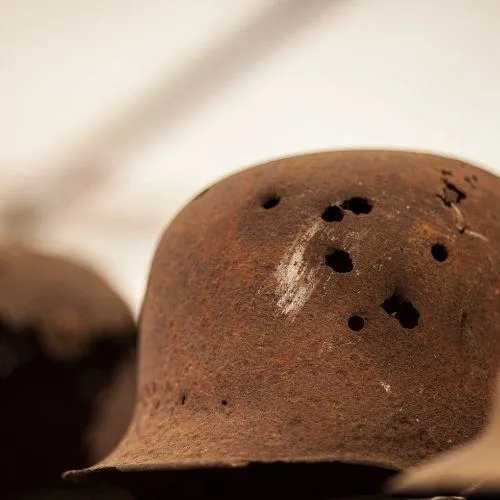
[{"x": 114, "y": 113}]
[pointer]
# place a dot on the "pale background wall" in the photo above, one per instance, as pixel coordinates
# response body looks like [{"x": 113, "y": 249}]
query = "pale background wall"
[{"x": 221, "y": 84}]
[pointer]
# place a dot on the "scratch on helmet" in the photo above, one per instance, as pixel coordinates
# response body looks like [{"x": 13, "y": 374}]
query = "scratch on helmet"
[{"x": 295, "y": 278}]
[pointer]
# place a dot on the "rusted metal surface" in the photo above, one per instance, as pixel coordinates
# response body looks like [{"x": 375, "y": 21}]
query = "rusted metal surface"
[
  {"x": 328, "y": 307},
  {"x": 472, "y": 469},
  {"x": 66, "y": 342}
]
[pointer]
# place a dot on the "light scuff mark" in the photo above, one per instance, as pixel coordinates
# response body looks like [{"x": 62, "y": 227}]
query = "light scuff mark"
[
  {"x": 296, "y": 279},
  {"x": 475, "y": 234},
  {"x": 387, "y": 387},
  {"x": 462, "y": 225}
]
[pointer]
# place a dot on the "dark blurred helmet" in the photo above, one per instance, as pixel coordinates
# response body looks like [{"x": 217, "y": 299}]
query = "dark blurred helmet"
[{"x": 66, "y": 342}]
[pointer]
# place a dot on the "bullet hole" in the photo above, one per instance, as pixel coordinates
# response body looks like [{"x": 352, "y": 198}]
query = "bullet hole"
[
  {"x": 271, "y": 202},
  {"x": 357, "y": 205},
  {"x": 402, "y": 310},
  {"x": 332, "y": 213},
  {"x": 451, "y": 194},
  {"x": 224, "y": 402},
  {"x": 183, "y": 399},
  {"x": 356, "y": 323},
  {"x": 439, "y": 252},
  {"x": 339, "y": 260}
]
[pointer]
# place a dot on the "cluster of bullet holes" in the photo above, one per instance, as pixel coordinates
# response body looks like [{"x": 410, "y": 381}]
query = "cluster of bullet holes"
[
  {"x": 401, "y": 309},
  {"x": 356, "y": 205},
  {"x": 341, "y": 262},
  {"x": 452, "y": 196}
]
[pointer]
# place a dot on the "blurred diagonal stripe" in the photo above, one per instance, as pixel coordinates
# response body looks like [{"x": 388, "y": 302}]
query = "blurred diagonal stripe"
[{"x": 171, "y": 101}]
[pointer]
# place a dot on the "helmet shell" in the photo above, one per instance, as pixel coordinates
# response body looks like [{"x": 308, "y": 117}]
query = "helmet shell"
[{"x": 341, "y": 306}]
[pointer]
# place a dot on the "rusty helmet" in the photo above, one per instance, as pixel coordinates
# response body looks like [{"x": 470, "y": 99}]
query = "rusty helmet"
[
  {"x": 66, "y": 341},
  {"x": 333, "y": 307}
]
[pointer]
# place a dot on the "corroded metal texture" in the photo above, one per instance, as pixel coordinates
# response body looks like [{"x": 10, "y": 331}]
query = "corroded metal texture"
[
  {"x": 66, "y": 342},
  {"x": 471, "y": 469},
  {"x": 337, "y": 306}
]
